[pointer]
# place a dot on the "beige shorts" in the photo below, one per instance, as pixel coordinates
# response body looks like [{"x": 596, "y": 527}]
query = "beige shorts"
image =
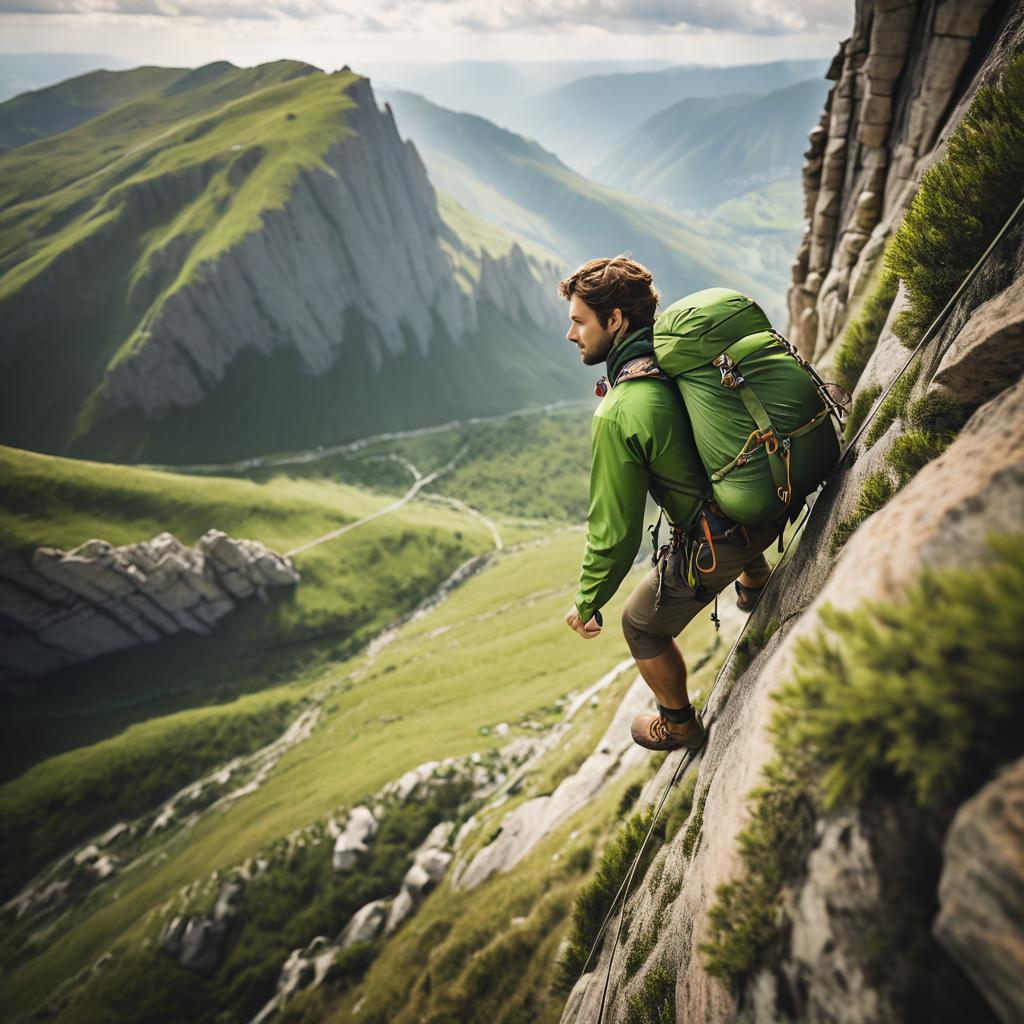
[{"x": 649, "y": 631}]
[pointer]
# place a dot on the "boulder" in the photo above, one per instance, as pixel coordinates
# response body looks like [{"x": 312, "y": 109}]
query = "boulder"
[
  {"x": 355, "y": 839},
  {"x": 981, "y": 892},
  {"x": 366, "y": 924},
  {"x": 987, "y": 354},
  {"x": 69, "y": 606}
]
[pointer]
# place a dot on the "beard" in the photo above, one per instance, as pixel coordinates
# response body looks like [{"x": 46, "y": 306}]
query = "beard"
[{"x": 600, "y": 351}]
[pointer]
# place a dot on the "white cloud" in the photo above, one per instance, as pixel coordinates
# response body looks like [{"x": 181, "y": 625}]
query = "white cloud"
[{"x": 775, "y": 17}]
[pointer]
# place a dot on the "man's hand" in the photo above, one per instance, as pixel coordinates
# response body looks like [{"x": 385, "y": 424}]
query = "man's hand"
[{"x": 588, "y": 631}]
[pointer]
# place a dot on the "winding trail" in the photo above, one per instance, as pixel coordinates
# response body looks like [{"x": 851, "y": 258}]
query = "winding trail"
[{"x": 419, "y": 483}]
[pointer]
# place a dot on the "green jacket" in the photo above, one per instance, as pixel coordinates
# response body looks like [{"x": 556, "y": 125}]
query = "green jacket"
[{"x": 641, "y": 442}]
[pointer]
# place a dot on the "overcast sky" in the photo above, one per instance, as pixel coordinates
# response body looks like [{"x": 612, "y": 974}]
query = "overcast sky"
[{"x": 330, "y": 33}]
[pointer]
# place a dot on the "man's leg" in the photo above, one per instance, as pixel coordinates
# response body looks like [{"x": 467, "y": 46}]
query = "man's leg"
[
  {"x": 666, "y": 676},
  {"x": 649, "y": 632}
]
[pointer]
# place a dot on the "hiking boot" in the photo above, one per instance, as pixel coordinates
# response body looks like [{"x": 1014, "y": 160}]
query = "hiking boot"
[{"x": 656, "y": 732}]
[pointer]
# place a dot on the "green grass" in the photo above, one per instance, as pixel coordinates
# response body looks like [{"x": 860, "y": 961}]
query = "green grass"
[
  {"x": 298, "y": 897},
  {"x": 880, "y": 702},
  {"x": 932, "y": 423},
  {"x": 861, "y": 335},
  {"x": 68, "y": 798},
  {"x": 885, "y": 693},
  {"x": 962, "y": 202},
  {"x": 876, "y": 490},
  {"x": 752, "y": 642},
  {"x": 486, "y": 954},
  {"x": 596, "y": 897},
  {"x": 498, "y": 655}
]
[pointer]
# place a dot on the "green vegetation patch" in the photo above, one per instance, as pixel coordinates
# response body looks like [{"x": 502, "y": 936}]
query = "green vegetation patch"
[
  {"x": 696, "y": 825},
  {"x": 881, "y": 700},
  {"x": 893, "y": 406},
  {"x": 751, "y": 643},
  {"x": 933, "y": 423},
  {"x": 655, "y": 1003},
  {"x": 861, "y": 335},
  {"x": 861, "y": 407},
  {"x": 876, "y": 491},
  {"x": 596, "y": 897},
  {"x": 68, "y": 798},
  {"x": 886, "y": 692},
  {"x": 298, "y": 896},
  {"x": 963, "y": 201}
]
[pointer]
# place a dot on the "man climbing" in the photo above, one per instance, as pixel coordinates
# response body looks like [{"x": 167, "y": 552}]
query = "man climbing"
[{"x": 642, "y": 442}]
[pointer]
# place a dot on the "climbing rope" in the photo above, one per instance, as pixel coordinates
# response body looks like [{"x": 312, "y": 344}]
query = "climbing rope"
[{"x": 688, "y": 756}]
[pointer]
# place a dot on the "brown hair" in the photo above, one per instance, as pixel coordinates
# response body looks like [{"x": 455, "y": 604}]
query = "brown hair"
[{"x": 617, "y": 283}]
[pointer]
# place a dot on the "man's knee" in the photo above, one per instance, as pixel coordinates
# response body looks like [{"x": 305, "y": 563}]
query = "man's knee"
[{"x": 643, "y": 644}]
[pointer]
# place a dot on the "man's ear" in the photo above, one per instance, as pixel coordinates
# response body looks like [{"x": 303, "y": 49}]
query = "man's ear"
[{"x": 615, "y": 320}]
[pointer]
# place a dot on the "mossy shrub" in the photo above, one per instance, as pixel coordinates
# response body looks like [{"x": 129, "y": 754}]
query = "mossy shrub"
[
  {"x": 927, "y": 692},
  {"x": 894, "y": 405},
  {"x": 596, "y": 897},
  {"x": 876, "y": 490},
  {"x": 750, "y": 644},
  {"x": 963, "y": 201},
  {"x": 861, "y": 335},
  {"x": 861, "y": 407}
]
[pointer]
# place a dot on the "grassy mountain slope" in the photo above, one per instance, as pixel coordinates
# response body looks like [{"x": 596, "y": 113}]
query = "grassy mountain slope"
[
  {"x": 114, "y": 220},
  {"x": 514, "y": 182},
  {"x": 581, "y": 120},
  {"x": 699, "y": 153}
]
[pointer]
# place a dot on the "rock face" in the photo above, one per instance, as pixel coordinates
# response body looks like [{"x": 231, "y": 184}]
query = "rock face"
[
  {"x": 863, "y": 862},
  {"x": 902, "y": 82},
  {"x": 69, "y": 606},
  {"x": 364, "y": 223},
  {"x": 981, "y": 894}
]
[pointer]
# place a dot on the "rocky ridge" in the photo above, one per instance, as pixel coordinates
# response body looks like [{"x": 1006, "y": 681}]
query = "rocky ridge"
[
  {"x": 65, "y": 607},
  {"x": 903, "y": 81}
]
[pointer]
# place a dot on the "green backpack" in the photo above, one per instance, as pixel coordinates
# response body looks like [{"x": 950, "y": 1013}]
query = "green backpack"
[{"x": 760, "y": 415}]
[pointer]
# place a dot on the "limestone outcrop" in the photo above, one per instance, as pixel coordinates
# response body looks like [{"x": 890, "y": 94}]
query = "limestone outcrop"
[
  {"x": 68, "y": 606},
  {"x": 523, "y": 828},
  {"x": 902, "y": 82}
]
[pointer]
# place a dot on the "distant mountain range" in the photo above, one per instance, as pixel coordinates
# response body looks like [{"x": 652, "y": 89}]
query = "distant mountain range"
[
  {"x": 225, "y": 261},
  {"x": 585, "y": 120},
  {"x": 515, "y": 183},
  {"x": 699, "y": 153}
]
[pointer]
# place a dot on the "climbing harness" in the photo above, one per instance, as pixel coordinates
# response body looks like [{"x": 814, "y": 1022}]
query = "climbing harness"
[{"x": 688, "y": 756}]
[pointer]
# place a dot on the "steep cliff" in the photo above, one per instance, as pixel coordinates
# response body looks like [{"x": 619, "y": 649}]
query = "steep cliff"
[
  {"x": 854, "y": 853},
  {"x": 252, "y": 248}
]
